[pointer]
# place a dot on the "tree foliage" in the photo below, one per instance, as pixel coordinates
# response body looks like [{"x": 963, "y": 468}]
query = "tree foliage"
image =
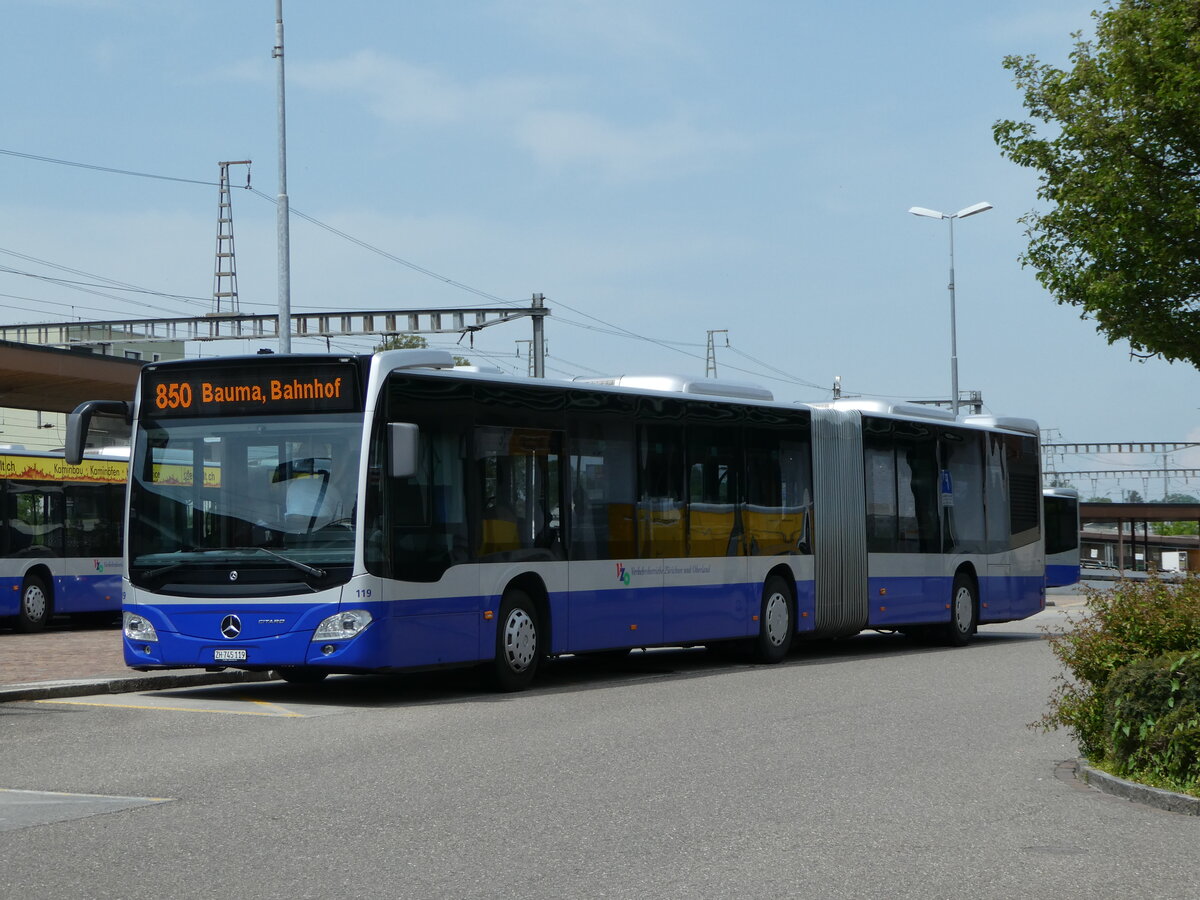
[
  {"x": 1173, "y": 528},
  {"x": 406, "y": 341},
  {"x": 1120, "y": 174}
]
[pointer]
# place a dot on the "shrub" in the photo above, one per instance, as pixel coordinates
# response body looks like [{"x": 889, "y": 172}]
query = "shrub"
[
  {"x": 1152, "y": 716},
  {"x": 1131, "y": 622}
]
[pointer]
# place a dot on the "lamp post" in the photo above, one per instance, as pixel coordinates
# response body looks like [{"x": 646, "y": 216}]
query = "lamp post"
[{"x": 961, "y": 214}]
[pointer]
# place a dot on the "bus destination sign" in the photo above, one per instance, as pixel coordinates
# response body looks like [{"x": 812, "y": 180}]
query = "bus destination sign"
[{"x": 249, "y": 390}]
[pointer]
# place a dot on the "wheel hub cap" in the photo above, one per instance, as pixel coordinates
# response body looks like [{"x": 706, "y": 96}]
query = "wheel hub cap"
[
  {"x": 520, "y": 640},
  {"x": 962, "y": 609},
  {"x": 777, "y": 619},
  {"x": 35, "y": 603}
]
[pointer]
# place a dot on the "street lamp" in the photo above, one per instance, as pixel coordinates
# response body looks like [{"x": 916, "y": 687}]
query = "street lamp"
[{"x": 961, "y": 214}]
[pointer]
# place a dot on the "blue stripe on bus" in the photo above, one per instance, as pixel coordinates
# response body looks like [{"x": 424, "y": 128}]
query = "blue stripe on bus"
[
  {"x": 10, "y": 596},
  {"x": 70, "y": 593},
  {"x": 926, "y": 599},
  {"x": 454, "y": 630},
  {"x": 281, "y": 635},
  {"x": 1061, "y": 576}
]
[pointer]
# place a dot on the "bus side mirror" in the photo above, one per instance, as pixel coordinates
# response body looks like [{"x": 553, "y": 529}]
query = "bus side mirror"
[
  {"x": 402, "y": 449},
  {"x": 80, "y": 420}
]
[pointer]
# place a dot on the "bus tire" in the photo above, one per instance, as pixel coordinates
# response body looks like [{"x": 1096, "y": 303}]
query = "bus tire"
[
  {"x": 964, "y": 612},
  {"x": 301, "y": 675},
  {"x": 34, "y": 611},
  {"x": 518, "y": 643},
  {"x": 776, "y": 622}
]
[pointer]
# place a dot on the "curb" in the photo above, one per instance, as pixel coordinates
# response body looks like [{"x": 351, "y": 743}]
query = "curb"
[
  {"x": 50, "y": 690},
  {"x": 1138, "y": 793}
]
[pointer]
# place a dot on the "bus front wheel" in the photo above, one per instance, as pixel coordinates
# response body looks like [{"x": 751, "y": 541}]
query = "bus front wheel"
[
  {"x": 517, "y": 641},
  {"x": 34, "y": 612}
]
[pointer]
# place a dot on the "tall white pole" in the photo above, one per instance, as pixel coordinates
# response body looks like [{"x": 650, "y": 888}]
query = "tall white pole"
[
  {"x": 972, "y": 210},
  {"x": 281, "y": 227},
  {"x": 953, "y": 329}
]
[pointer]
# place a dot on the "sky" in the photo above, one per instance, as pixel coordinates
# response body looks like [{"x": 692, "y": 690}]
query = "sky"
[{"x": 658, "y": 169}]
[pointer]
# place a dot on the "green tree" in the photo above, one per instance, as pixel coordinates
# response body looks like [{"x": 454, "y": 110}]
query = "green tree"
[
  {"x": 1183, "y": 527},
  {"x": 412, "y": 342},
  {"x": 1120, "y": 173},
  {"x": 1171, "y": 528}
]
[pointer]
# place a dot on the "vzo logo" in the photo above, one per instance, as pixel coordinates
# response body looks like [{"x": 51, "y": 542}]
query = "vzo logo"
[
  {"x": 99, "y": 565},
  {"x": 623, "y": 575}
]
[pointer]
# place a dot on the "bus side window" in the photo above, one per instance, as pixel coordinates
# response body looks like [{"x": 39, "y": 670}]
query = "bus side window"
[
  {"x": 778, "y": 493},
  {"x": 600, "y": 488},
  {"x": 519, "y": 471},
  {"x": 662, "y": 513},
  {"x": 416, "y": 526}
]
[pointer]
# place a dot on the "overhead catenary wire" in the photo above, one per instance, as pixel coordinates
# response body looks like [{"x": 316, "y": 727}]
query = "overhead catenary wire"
[
  {"x": 608, "y": 327},
  {"x": 106, "y": 169}
]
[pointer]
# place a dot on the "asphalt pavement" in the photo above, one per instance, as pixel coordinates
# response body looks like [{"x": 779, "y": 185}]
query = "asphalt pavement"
[{"x": 72, "y": 660}]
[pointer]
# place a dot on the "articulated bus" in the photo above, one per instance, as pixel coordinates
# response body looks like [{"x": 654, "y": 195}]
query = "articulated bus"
[
  {"x": 1061, "y": 524},
  {"x": 60, "y": 536},
  {"x": 320, "y": 514}
]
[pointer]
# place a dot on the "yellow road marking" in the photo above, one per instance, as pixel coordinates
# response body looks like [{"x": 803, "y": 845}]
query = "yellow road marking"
[{"x": 281, "y": 714}]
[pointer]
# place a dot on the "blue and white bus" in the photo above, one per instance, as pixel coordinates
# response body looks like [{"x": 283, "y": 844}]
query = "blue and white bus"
[
  {"x": 318, "y": 514},
  {"x": 60, "y": 535},
  {"x": 1061, "y": 525}
]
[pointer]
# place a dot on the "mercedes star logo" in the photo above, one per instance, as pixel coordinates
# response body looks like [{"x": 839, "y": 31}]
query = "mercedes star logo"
[
  {"x": 231, "y": 626},
  {"x": 233, "y": 575}
]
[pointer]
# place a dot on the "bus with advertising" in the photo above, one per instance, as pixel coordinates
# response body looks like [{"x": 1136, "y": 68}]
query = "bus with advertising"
[
  {"x": 60, "y": 535},
  {"x": 322, "y": 514},
  {"x": 1061, "y": 523}
]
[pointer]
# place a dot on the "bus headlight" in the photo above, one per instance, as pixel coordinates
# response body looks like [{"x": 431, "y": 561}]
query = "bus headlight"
[
  {"x": 343, "y": 625},
  {"x": 137, "y": 628}
]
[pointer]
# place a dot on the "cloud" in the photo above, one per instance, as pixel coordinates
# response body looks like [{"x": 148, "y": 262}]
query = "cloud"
[
  {"x": 571, "y": 139},
  {"x": 627, "y": 27},
  {"x": 530, "y": 113},
  {"x": 400, "y": 92}
]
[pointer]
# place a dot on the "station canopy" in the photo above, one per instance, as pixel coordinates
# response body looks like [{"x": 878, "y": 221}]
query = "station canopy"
[{"x": 55, "y": 380}]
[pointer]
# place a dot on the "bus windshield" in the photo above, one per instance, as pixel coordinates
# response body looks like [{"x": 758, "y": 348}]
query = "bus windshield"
[{"x": 252, "y": 492}]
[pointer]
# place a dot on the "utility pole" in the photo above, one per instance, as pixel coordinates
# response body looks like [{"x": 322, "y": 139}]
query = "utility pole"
[
  {"x": 225, "y": 270},
  {"x": 539, "y": 335},
  {"x": 710, "y": 362},
  {"x": 282, "y": 216}
]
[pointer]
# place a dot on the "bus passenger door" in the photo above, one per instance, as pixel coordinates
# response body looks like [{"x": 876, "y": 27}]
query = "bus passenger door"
[{"x": 616, "y": 595}]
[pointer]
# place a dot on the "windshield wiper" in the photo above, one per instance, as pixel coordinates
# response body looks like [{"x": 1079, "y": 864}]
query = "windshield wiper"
[
  {"x": 163, "y": 570},
  {"x": 303, "y": 567}
]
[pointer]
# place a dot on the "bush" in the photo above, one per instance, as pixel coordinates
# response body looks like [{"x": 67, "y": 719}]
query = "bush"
[
  {"x": 1131, "y": 623},
  {"x": 1152, "y": 713}
]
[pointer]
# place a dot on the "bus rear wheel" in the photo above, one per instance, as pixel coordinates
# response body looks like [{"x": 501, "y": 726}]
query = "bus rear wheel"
[
  {"x": 964, "y": 612},
  {"x": 776, "y": 623},
  {"x": 34, "y": 611},
  {"x": 517, "y": 643}
]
